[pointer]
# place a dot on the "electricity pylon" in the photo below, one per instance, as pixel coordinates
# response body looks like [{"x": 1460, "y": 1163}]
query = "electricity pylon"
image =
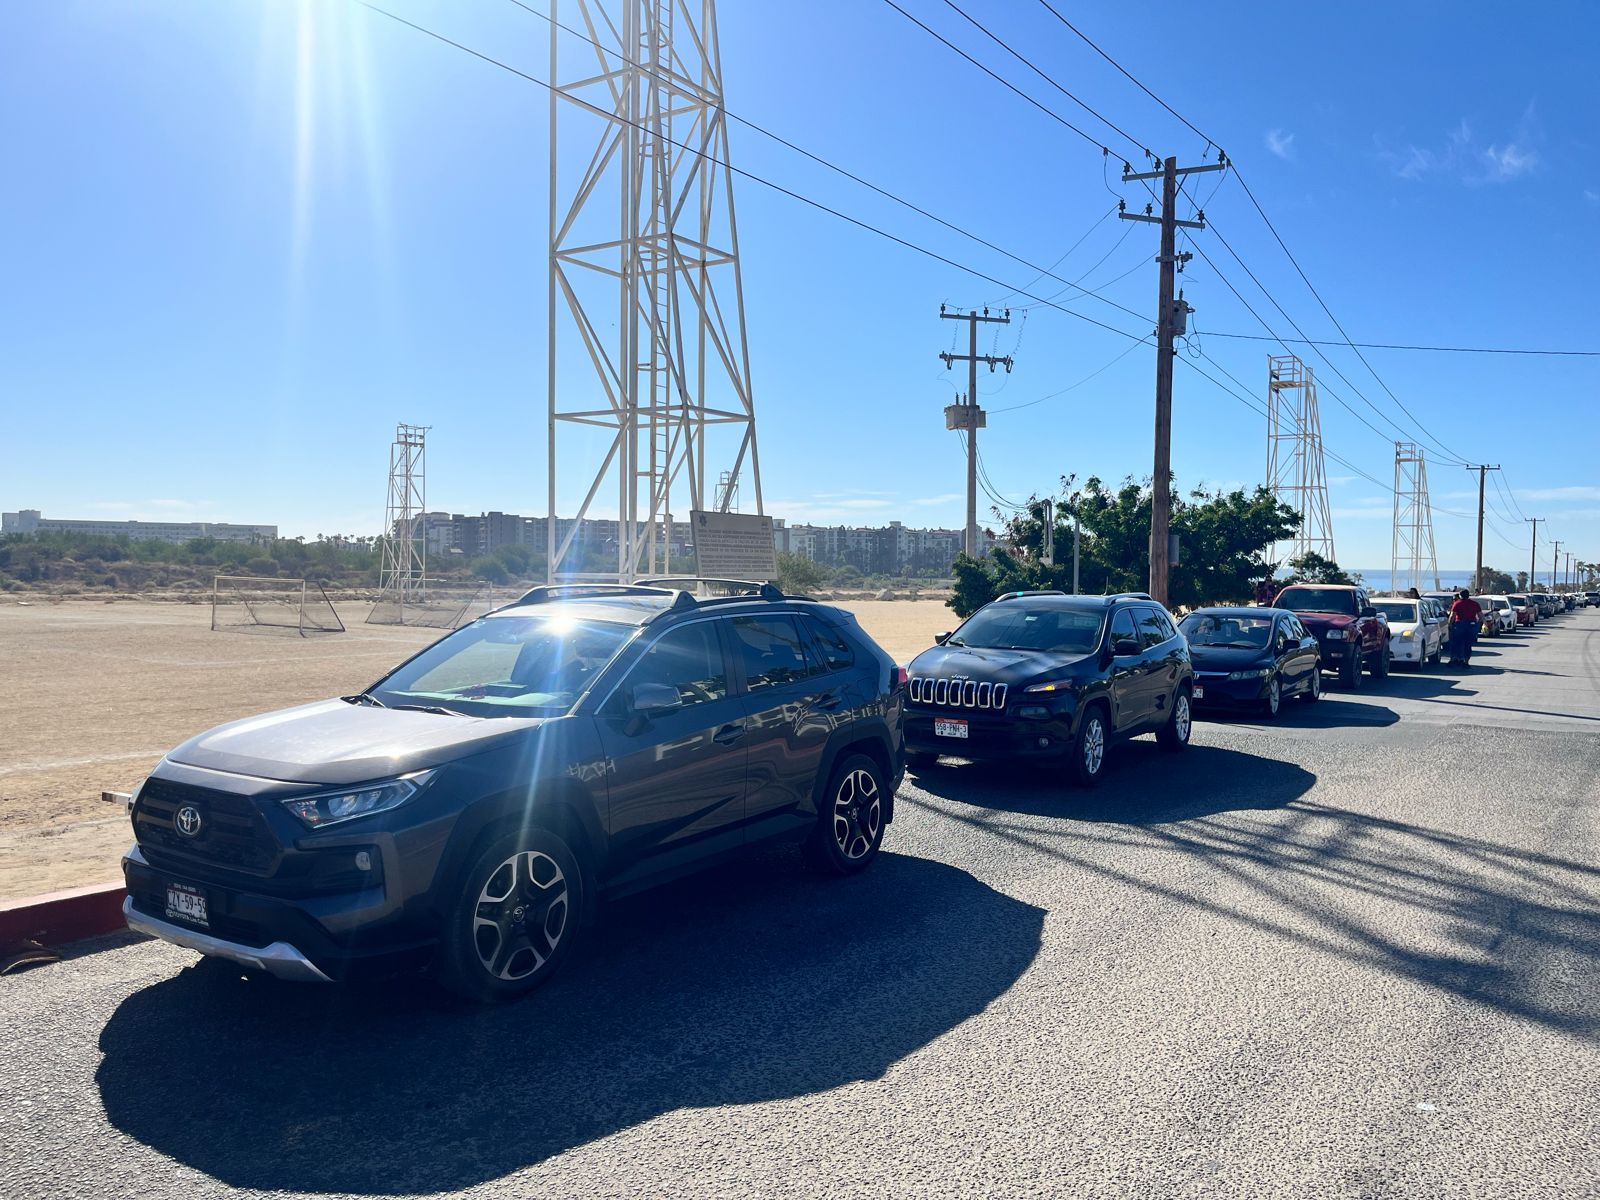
[
  {"x": 1411, "y": 549},
  {"x": 646, "y": 303},
  {"x": 1295, "y": 470},
  {"x": 403, "y": 567}
]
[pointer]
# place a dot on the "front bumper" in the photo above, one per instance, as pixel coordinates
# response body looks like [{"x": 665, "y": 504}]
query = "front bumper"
[
  {"x": 344, "y": 935},
  {"x": 992, "y": 735},
  {"x": 1212, "y": 690},
  {"x": 1407, "y": 650}
]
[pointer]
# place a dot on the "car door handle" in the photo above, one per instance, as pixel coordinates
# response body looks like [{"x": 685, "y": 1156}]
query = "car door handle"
[
  {"x": 827, "y": 702},
  {"x": 729, "y": 734}
]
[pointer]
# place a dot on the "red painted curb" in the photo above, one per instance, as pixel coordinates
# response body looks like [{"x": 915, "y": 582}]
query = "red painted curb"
[{"x": 58, "y": 917}]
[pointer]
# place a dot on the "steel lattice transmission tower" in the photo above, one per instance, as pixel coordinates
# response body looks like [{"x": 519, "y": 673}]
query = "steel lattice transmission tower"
[
  {"x": 1412, "y": 550},
  {"x": 646, "y": 299},
  {"x": 402, "y": 572},
  {"x": 1294, "y": 453}
]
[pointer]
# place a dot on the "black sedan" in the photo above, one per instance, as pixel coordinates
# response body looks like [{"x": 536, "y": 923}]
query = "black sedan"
[{"x": 1251, "y": 657}]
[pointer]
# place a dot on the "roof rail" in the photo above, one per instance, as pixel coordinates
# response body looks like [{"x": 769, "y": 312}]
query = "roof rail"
[
  {"x": 1037, "y": 592},
  {"x": 747, "y": 587},
  {"x": 547, "y": 592},
  {"x": 1131, "y": 596}
]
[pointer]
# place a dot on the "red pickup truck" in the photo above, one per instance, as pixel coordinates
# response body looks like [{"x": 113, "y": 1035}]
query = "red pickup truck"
[{"x": 1348, "y": 629}]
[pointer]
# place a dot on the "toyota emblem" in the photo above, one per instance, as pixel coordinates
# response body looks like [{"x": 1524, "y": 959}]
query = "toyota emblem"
[{"x": 187, "y": 820}]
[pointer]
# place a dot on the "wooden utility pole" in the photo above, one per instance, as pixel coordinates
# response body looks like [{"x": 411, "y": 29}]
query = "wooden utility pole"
[
  {"x": 969, "y": 417},
  {"x": 1533, "y": 553},
  {"x": 1168, "y": 321},
  {"x": 1477, "y": 576},
  {"x": 1555, "y": 563}
]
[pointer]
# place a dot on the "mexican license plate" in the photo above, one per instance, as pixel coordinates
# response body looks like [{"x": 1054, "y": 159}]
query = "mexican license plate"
[
  {"x": 1199, "y": 692},
  {"x": 945, "y": 727},
  {"x": 187, "y": 904}
]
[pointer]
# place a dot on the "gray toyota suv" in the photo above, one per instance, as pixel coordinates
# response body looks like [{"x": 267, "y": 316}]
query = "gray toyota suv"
[{"x": 467, "y": 811}]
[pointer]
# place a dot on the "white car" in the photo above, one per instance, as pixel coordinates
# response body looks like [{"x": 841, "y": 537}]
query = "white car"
[
  {"x": 1415, "y": 636},
  {"x": 1504, "y": 613}
]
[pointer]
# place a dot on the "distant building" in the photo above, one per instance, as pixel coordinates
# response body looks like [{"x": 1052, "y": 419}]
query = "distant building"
[{"x": 30, "y": 521}]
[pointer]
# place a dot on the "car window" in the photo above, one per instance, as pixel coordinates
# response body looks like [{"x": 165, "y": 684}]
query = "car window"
[
  {"x": 837, "y": 653},
  {"x": 687, "y": 659},
  {"x": 1237, "y": 629},
  {"x": 1295, "y": 629},
  {"x": 1151, "y": 634},
  {"x": 1122, "y": 628},
  {"x": 1165, "y": 618},
  {"x": 1017, "y": 625},
  {"x": 772, "y": 650},
  {"x": 1404, "y": 611},
  {"x": 1318, "y": 599}
]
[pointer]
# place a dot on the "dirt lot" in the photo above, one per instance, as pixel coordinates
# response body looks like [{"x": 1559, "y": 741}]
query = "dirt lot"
[{"x": 92, "y": 694}]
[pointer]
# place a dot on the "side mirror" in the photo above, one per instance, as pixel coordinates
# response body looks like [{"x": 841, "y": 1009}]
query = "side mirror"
[
  {"x": 1127, "y": 648},
  {"x": 1369, "y": 611},
  {"x": 940, "y": 639},
  {"x": 652, "y": 699}
]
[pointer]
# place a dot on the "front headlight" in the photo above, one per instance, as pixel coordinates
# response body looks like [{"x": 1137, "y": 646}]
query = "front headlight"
[
  {"x": 1337, "y": 635},
  {"x": 330, "y": 808},
  {"x": 1055, "y": 686},
  {"x": 1253, "y": 673},
  {"x": 1405, "y": 633}
]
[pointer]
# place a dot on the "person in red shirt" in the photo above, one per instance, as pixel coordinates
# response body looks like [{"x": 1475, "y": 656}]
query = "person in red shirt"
[{"x": 1465, "y": 614}]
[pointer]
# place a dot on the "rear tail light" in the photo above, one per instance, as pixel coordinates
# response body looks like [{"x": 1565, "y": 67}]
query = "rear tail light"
[{"x": 900, "y": 677}]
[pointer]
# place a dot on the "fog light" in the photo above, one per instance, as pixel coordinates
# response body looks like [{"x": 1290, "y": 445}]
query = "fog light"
[
  {"x": 1043, "y": 742},
  {"x": 363, "y": 861}
]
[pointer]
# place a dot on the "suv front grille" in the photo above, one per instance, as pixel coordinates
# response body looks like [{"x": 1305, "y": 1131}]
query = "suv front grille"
[
  {"x": 956, "y": 693},
  {"x": 233, "y": 836}
]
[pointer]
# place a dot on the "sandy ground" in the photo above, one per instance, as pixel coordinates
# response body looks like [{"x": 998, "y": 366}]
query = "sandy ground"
[{"x": 92, "y": 694}]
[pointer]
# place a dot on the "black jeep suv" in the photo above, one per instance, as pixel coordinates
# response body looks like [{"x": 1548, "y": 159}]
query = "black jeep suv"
[
  {"x": 468, "y": 809},
  {"x": 1047, "y": 676}
]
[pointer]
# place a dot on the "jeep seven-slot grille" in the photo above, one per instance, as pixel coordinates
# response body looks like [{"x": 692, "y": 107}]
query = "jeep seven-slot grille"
[
  {"x": 232, "y": 835},
  {"x": 956, "y": 693}
]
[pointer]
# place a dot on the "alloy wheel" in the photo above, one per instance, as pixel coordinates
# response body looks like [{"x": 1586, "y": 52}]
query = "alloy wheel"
[
  {"x": 857, "y": 814},
  {"x": 1180, "y": 716},
  {"x": 1274, "y": 695},
  {"x": 520, "y": 915}
]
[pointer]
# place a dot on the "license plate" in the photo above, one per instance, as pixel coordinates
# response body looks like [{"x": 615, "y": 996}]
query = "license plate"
[
  {"x": 948, "y": 728},
  {"x": 187, "y": 904},
  {"x": 1199, "y": 692}
]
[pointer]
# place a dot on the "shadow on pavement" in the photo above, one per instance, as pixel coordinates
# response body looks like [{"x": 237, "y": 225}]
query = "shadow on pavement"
[
  {"x": 1328, "y": 713},
  {"x": 1142, "y": 785},
  {"x": 747, "y": 984}
]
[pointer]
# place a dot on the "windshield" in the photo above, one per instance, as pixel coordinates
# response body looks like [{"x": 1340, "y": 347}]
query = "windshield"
[
  {"x": 1243, "y": 632},
  {"x": 1396, "y": 610},
  {"x": 1012, "y": 626},
  {"x": 507, "y": 667},
  {"x": 1518, "y": 600},
  {"x": 1315, "y": 599}
]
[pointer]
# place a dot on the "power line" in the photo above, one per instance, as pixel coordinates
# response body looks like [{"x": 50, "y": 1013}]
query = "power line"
[
  {"x": 1073, "y": 386},
  {"x": 1428, "y": 349}
]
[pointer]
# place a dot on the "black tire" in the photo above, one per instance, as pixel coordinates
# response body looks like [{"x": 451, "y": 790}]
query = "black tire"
[
  {"x": 516, "y": 918},
  {"x": 1380, "y": 661},
  {"x": 1273, "y": 702},
  {"x": 1350, "y": 670},
  {"x": 1174, "y": 735},
  {"x": 1313, "y": 691},
  {"x": 850, "y": 818},
  {"x": 1087, "y": 761}
]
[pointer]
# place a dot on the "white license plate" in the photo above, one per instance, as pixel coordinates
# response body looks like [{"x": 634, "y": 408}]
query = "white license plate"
[
  {"x": 187, "y": 904},
  {"x": 947, "y": 728},
  {"x": 1199, "y": 692}
]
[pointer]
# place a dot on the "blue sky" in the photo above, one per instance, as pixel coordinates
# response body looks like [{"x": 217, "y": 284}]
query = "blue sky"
[{"x": 240, "y": 239}]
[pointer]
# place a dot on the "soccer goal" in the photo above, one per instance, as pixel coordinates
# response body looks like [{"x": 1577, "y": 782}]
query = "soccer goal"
[
  {"x": 437, "y": 606},
  {"x": 246, "y": 603}
]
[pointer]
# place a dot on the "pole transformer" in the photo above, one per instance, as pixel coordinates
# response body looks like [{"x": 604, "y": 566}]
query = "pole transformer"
[{"x": 969, "y": 417}]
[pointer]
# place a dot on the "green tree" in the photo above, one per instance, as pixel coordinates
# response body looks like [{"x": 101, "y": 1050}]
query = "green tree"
[
  {"x": 1497, "y": 582},
  {"x": 1312, "y": 567},
  {"x": 798, "y": 575}
]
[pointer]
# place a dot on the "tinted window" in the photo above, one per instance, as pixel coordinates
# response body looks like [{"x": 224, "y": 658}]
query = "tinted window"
[
  {"x": 1152, "y": 631},
  {"x": 837, "y": 653},
  {"x": 1398, "y": 610},
  {"x": 1014, "y": 625},
  {"x": 508, "y": 666},
  {"x": 688, "y": 660},
  {"x": 1239, "y": 630},
  {"x": 1122, "y": 628},
  {"x": 772, "y": 651},
  {"x": 1316, "y": 599}
]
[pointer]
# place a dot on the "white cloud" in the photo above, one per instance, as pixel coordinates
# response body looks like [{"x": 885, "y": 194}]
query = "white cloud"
[
  {"x": 1592, "y": 196},
  {"x": 1509, "y": 161},
  {"x": 932, "y": 501},
  {"x": 1280, "y": 143},
  {"x": 1463, "y": 155},
  {"x": 1581, "y": 492}
]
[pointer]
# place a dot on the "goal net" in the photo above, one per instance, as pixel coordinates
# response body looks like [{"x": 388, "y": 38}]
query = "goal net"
[
  {"x": 247, "y": 603},
  {"x": 438, "y": 606}
]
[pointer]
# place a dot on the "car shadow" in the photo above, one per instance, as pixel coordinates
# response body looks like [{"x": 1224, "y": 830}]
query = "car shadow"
[
  {"x": 1142, "y": 785},
  {"x": 749, "y": 983},
  {"x": 1328, "y": 713}
]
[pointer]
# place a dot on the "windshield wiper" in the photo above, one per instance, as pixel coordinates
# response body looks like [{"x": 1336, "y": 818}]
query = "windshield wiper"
[
  {"x": 364, "y": 698},
  {"x": 954, "y": 641},
  {"x": 437, "y": 709}
]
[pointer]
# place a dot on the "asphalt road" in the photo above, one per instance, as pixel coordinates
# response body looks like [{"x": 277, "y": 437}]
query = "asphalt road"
[{"x": 1352, "y": 953}]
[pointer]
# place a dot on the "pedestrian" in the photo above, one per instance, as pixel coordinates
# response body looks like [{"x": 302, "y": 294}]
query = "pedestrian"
[
  {"x": 1465, "y": 615},
  {"x": 1264, "y": 594}
]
